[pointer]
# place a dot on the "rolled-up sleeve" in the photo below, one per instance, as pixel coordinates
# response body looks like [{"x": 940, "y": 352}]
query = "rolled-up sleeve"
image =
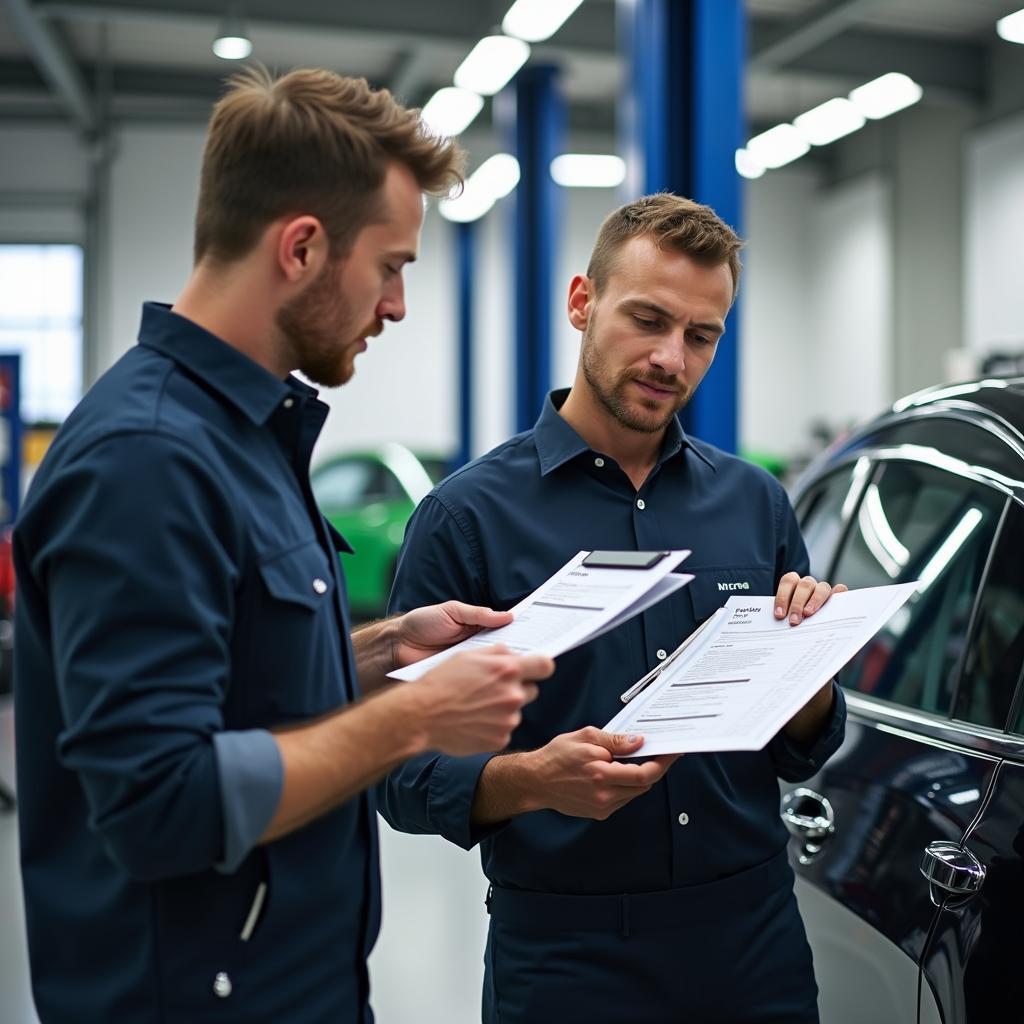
[
  {"x": 251, "y": 776},
  {"x": 433, "y": 794},
  {"x": 141, "y": 573}
]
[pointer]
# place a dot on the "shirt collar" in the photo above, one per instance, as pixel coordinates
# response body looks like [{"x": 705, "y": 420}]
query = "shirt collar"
[
  {"x": 242, "y": 381},
  {"x": 557, "y": 442}
]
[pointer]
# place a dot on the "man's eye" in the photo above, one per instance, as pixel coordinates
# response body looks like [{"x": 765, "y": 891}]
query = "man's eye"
[
  {"x": 645, "y": 323},
  {"x": 390, "y": 269}
]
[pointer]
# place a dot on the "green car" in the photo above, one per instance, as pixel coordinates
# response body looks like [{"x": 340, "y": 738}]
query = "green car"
[{"x": 368, "y": 497}]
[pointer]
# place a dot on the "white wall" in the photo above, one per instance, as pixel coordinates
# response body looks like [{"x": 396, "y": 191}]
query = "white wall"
[
  {"x": 817, "y": 312},
  {"x": 850, "y": 338},
  {"x": 44, "y": 177},
  {"x": 993, "y": 302}
]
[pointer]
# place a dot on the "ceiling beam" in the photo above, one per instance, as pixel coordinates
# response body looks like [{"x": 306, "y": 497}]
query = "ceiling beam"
[
  {"x": 825, "y": 22},
  {"x": 53, "y": 59},
  {"x": 591, "y": 27},
  {"x": 955, "y": 68}
]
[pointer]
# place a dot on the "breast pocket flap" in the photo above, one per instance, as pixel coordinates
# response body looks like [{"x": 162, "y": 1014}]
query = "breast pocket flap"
[{"x": 299, "y": 576}]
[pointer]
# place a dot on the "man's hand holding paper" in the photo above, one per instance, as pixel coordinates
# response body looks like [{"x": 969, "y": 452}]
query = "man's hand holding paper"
[{"x": 750, "y": 673}]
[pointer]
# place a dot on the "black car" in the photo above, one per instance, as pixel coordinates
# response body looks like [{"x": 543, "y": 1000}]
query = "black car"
[{"x": 909, "y": 844}]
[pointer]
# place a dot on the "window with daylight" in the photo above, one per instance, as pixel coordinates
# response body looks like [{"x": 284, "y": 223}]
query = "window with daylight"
[{"x": 41, "y": 319}]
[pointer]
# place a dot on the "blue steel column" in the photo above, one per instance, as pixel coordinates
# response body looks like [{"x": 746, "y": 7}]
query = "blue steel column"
[
  {"x": 534, "y": 117},
  {"x": 465, "y": 244},
  {"x": 681, "y": 122}
]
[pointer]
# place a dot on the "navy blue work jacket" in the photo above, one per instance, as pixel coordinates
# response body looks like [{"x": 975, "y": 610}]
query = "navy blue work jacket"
[
  {"x": 494, "y": 531},
  {"x": 176, "y": 581}
]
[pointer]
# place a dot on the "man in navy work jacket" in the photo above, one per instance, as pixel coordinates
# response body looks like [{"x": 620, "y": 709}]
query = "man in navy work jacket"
[
  {"x": 197, "y": 843},
  {"x": 645, "y": 892}
]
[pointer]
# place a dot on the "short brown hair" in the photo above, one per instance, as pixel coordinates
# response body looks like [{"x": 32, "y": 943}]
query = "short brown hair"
[
  {"x": 309, "y": 142},
  {"x": 673, "y": 223}
]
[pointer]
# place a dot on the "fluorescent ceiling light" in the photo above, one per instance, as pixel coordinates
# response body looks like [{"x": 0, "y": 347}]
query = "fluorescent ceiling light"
[
  {"x": 778, "y": 146},
  {"x": 1011, "y": 28},
  {"x": 232, "y": 42},
  {"x": 450, "y": 111},
  {"x": 747, "y": 166},
  {"x": 829, "y": 121},
  {"x": 491, "y": 63},
  {"x": 588, "y": 170},
  {"x": 498, "y": 175},
  {"x": 491, "y": 181},
  {"x": 470, "y": 204},
  {"x": 886, "y": 95},
  {"x": 534, "y": 20}
]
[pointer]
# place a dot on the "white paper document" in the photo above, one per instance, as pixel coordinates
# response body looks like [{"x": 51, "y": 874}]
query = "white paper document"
[
  {"x": 575, "y": 605},
  {"x": 735, "y": 685}
]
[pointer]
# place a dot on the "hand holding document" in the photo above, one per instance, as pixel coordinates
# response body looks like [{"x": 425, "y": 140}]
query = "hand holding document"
[
  {"x": 736, "y": 681},
  {"x": 575, "y": 605}
]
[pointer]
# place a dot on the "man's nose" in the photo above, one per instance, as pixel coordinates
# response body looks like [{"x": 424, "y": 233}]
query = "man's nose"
[
  {"x": 392, "y": 306},
  {"x": 670, "y": 353}
]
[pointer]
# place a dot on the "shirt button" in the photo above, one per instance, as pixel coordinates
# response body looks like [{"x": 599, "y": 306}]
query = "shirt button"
[
  {"x": 319, "y": 586},
  {"x": 599, "y": 462},
  {"x": 287, "y": 403},
  {"x": 662, "y": 654},
  {"x": 222, "y": 985},
  {"x": 640, "y": 504},
  {"x": 683, "y": 819}
]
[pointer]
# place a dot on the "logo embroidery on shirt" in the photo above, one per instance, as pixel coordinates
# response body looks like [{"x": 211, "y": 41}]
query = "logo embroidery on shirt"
[{"x": 734, "y": 586}]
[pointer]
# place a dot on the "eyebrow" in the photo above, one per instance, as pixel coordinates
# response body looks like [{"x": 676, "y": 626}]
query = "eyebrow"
[
  {"x": 661, "y": 311},
  {"x": 404, "y": 255}
]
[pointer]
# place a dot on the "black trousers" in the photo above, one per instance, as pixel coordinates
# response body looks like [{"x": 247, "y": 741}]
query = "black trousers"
[{"x": 729, "y": 952}]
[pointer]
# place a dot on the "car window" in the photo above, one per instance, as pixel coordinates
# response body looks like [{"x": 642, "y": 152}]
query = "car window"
[
  {"x": 437, "y": 469},
  {"x": 916, "y": 522},
  {"x": 344, "y": 484},
  {"x": 386, "y": 486},
  {"x": 996, "y": 651},
  {"x": 823, "y": 510}
]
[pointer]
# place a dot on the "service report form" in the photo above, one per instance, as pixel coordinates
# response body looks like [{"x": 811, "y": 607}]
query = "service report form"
[
  {"x": 575, "y": 605},
  {"x": 738, "y": 682}
]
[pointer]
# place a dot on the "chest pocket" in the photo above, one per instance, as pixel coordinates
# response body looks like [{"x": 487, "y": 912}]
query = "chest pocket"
[
  {"x": 299, "y": 576},
  {"x": 292, "y": 657},
  {"x": 714, "y": 585}
]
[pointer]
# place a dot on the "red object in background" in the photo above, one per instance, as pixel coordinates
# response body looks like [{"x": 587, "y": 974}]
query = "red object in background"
[{"x": 6, "y": 571}]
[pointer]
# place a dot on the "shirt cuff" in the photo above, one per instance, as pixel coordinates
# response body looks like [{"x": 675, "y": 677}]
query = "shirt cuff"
[
  {"x": 795, "y": 761},
  {"x": 450, "y": 796},
  {"x": 251, "y": 779}
]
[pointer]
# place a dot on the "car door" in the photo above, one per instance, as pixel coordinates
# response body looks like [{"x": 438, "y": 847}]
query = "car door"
[
  {"x": 972, "y": 959},
  {"x": 898, "y": 783}
]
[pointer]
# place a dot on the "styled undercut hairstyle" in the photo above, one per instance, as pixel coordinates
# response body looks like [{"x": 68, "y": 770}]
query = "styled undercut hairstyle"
[
  {"x": 671, "y": 222},
  {"x": 310, "y": 142}
]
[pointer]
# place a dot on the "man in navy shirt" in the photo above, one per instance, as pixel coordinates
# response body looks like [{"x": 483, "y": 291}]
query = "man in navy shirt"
[
  {"x": 648, "y": 891},
  {"x": 197, "y": 843}
]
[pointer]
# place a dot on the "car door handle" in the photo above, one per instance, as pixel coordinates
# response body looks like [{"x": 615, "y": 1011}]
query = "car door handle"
[
  {"x": 808, "y": 815},
  {"x": 952, "y": 869}
]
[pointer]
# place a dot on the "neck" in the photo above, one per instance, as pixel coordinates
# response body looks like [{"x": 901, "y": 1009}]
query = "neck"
[
  {"x": 238, "y": 306},
  {"x": 635, "y": 451}
]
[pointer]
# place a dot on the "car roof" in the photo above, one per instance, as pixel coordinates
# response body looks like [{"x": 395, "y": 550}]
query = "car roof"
[
  {"x": 1002, "y": 397},
  {"x": 994, "y": 404}
]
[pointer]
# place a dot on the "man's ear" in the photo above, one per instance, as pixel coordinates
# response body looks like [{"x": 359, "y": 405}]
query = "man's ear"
[
  {"x": 302, "y": 248},
  {"x": 581, "y": 295}
]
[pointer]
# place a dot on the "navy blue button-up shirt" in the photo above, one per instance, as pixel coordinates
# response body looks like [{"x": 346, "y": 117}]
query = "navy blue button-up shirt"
[
  {"x": 494, "y": 531},
  {"x": 180, "y": 594}
]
